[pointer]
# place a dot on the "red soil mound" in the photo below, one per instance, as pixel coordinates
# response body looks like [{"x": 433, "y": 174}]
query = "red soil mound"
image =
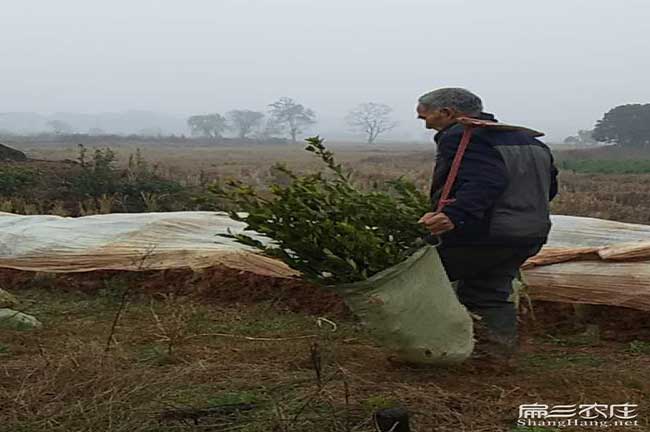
[{"x": 219, "y": 284}]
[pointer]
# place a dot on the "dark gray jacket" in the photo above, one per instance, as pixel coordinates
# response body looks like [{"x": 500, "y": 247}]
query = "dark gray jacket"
[{"x": 503, "y": 188}]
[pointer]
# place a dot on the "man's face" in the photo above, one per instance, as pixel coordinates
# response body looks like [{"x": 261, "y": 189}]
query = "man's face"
[{"x": 437, "y": 119}]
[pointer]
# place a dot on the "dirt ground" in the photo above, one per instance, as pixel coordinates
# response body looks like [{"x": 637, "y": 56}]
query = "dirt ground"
[{"x": 253, "y": 359}]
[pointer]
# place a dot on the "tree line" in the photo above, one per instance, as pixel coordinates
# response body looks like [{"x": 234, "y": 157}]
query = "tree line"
[
  {"x": 288, "y": 117},
  {"x": 627, "y": 125}
]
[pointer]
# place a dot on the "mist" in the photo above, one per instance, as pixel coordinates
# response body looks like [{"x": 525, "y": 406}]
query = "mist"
[{"x": 556, "y": 66}]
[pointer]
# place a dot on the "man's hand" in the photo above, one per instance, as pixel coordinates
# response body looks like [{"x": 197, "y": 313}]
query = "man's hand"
[{"x": 437, "y": 223}]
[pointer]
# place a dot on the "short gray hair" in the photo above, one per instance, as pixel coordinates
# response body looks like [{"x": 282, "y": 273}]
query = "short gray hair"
[{"x": 452, "y": 97}]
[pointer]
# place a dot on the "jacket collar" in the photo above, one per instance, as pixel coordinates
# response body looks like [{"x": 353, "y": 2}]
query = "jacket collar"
[{"x": 481, "y": 116}]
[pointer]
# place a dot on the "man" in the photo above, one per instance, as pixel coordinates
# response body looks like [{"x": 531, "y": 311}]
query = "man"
[{"x": 499, "y": 215}]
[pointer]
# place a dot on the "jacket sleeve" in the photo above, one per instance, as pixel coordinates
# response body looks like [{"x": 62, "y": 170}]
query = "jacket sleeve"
[
  {"x": 554, "y": 183},
  {"x": 481, "y": 180}
]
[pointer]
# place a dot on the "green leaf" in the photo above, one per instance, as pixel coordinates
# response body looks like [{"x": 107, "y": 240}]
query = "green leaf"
[{"x": 326, "y": 227}]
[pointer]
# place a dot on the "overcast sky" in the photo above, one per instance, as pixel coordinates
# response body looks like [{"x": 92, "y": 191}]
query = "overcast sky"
[{"x": 555, "y": 65}]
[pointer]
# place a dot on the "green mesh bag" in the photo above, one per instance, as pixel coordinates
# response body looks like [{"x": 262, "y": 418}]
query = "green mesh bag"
[{"x": 412, "y": 310}]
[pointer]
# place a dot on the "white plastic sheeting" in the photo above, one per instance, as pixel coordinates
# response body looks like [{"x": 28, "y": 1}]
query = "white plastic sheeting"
[
  {"x": 586, "y": 260},
  {"x": 593, "y": 282},
  {"x": 593, "y": 261},
  {"x": 134, "y": 241},
  {"x": 588, "y": 238},
  {"x": 572, "y": 231}
]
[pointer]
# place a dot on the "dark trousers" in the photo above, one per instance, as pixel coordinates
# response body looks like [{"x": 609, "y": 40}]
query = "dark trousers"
[{"x": 485, "y": 275}]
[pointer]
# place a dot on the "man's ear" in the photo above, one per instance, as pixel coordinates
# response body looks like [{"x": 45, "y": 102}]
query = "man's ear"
[
  {"x": 446, "y": 111},
  {"x": 450, "y": 112}
]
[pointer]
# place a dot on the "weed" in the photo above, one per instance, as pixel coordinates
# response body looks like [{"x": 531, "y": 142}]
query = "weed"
[
  {"x": 113, "y": 289},
  {"x": 377, "y": 402},
  {"x": 175, "y": 323},
  {"x": 155, "y": 354},
  {"x": 639, "y": 347}
]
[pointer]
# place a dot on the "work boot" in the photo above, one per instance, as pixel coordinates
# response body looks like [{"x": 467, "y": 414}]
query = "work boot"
[
  {"x": 495, "y": 345},
  {"x": 490, "y": 345}
]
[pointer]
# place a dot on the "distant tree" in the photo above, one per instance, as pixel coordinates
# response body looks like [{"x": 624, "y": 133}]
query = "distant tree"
[
  {"x": 244, "y": 122},
  {"x": 59, "y": 127},
  {"x": 267, "y": 129},
  {"x": 627, "y": 125},
  {"x": 209, "y": 125},
  {"x": 584, "y": 138},
  {"x": 371, "y": 119},
  {"x": 292, "y": 116},
  {"x": 96, "y": 131},
  {"x": 150, "y": 132}
]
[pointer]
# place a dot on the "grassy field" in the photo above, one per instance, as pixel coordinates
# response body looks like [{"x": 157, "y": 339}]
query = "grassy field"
[
  {"x": 184, "y": 363},
  {"x": 586, "y": 188},
  {"x": 640, "y": 166},
  {"x": 252, "y": 163},
  {"x": 253, "y": 357}
]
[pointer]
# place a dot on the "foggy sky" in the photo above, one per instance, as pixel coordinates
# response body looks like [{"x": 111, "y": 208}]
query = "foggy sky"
[{"x": 555, "y": 65}]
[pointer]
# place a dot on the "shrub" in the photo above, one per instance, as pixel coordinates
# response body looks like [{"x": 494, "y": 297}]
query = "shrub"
[
  {"x": 98, "y": 175},
  {"x": 138, "y": 188},
  {"x": 143, "y": 187},
  {"x": 325, "y": 227},
  {"x": 14, "y": 180}
]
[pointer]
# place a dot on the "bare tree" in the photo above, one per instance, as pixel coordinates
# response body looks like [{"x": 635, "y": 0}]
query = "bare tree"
[
  {"x": 267, "y": 129},
  {"x": 292, "y": 116},
  {"x": 209, "y": 125},
  {"x": 244, "y": 121},
  {"x": 372, "y": 119}
]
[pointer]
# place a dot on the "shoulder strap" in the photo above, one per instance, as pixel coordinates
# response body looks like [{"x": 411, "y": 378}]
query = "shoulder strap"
[{"x": 455, "y": 167}]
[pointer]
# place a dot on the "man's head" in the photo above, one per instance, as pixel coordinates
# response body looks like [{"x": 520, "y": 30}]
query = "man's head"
[{"x": 442, "y": 107}]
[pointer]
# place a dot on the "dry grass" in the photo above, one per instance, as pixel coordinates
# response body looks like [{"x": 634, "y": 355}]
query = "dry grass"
[
  {"x": 252, "y": 164},
  {"x": 260, "y": 359},
  {"x": 165, "y": 355},
  {"x": 616, "y": 197}
]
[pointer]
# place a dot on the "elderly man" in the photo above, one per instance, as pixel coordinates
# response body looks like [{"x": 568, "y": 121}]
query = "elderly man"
[{"x": 499, "y": 215}]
